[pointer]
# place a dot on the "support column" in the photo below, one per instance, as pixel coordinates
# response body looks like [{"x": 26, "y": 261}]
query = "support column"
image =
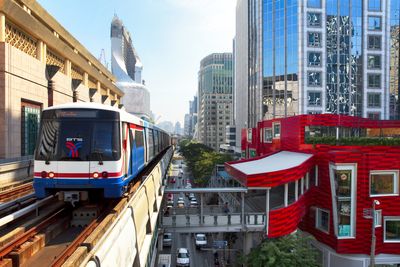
[
  {"x": 267, "y": 211},
  {"x": 243, "y": 222},
  {"x": 68, "y": 68},
  {"x": 201, "y": 208},
  {"x": 86, "y": 79},
  {"x": 2, "y": 27},
  {"x": 39, "y": 51}
]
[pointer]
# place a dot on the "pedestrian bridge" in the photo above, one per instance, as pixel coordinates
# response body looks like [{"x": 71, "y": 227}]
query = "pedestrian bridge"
[{"x": 212, "y": 223}]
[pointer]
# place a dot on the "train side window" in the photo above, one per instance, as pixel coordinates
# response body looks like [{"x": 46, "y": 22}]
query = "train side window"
[{"x": 139, "y": 138}]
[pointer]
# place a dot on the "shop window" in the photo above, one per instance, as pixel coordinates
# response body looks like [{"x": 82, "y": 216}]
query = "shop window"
[
  {"x": 343, "y": 181},
  {"x": 392, "y": 229},
  {"x": 374, "y": 115},
  {"x": 384, "y": 183},
  {"x": 322, "y": 220}
]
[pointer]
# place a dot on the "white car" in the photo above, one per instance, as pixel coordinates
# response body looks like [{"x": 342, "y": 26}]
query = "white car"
[
  {"x": 183, "y": 257},
  {"x": 193, "y": 204},
  {"x": 181, "y": 204},
  {"x": 200, "y": 240},
  {"x": 180, "y": 199}
]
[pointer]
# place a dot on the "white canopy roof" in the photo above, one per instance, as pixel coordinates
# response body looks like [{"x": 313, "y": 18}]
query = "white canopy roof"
[{"x": 280, "y": 161}]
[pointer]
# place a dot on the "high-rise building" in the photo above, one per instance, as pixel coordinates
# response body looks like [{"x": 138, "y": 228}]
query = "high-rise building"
[
  {"x": 319, "y": 56},
  {"x": 215, "y": 95},
  {"x": 127, "y": 68},
  {"x": 241, "y": 52}
]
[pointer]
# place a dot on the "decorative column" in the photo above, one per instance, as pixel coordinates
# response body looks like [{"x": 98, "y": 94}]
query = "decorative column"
[{"x": 2, "y": 27}]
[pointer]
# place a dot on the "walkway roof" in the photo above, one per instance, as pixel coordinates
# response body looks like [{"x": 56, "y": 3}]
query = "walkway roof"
[{"x": 271, "y": 170}]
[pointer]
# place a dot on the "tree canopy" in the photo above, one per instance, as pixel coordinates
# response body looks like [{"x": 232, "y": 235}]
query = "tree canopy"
[
  {"x": 201, "y": 159},
  {"x": 291, "y": 250}
]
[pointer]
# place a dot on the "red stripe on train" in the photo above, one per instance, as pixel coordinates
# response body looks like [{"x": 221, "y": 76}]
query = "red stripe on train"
[{"x": 80, "y": 175}]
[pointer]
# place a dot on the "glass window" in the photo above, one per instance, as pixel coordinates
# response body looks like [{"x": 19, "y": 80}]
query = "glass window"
[
  {"x": 277, "y": 197},
  {"x": 314, "y": 78},
  {"x": 139, "y": 138},
  {"x": 322, "y": 220},
  {"x": 314, "y": 59},
  {"x": 314, "y": 39},
  {"x": 267, "y": 135},
  {"x": 384, "y": 183},
  {"x": 314, "y": 99},
  {"x": 374, "y": 5},
  {"x": 392, "y": 229},
  {"x": 374, "y": 23},
  {"x": 374, "y": 42},
  {"x": 277, "y": 130},
  {"x": 374, "y": 80},
  {"x": 314, "y": 3},
  {"x": 343, "y": 197},
  {"x": 249, "y": 135},
  {"x": 299, "y": 192},
  {"x": 291, "y": 192},
  {"x": 374, "y": 115},
  {"x": 374, "y": 61},
  {"x": 313, "y": 19},
  {"x": 378, "y": 218},
  {"x": 374, "y": 100}
]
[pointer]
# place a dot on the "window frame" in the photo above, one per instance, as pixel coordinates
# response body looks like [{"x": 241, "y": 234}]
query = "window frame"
[
  {"x": 310, "y": 6},
  {"x": 385, "y": 219},
  {"x": 267, "y": 140},
  {"x": 317, "y": 220},
  {"x": 320, "y": 98},
  {"x": 374, "y": 10},
  {"x": 380, "y": 23},
  {"x": 274, "y": 135},
  {"x": 373, "y": 86},
  {"x": 380, "y": 99},
  {"x": 395, "y": 182},
  {"x": 320, "y": 19},
  {"x": 374, "y": 36},
  {"x": 308, "y": 39},
  {"x": 308, "y": 79},
  {"x": 374, "y": 67},
  {"x": 308, "y": 59}
]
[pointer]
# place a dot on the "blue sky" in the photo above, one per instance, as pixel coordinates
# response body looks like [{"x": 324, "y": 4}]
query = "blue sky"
[{"x": 171, "y": 37}]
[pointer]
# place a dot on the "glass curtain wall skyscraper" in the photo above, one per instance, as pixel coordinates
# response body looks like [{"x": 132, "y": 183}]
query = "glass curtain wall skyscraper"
[{"x": 323, "y": 56}]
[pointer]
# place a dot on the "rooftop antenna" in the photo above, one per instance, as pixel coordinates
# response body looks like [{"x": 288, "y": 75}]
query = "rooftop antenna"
[{"x": 102, "y": 58}]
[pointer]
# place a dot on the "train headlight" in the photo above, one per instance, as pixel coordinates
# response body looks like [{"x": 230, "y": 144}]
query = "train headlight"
[
  {"x": 43, "y": 174},
  {"x": 95, "y": 175},
  {"x": 51, "y": 174},
  {"x": 104, "y": 174}
]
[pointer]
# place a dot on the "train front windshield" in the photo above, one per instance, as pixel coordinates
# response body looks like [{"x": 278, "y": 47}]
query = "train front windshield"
[{"x": 79, "y": 135}]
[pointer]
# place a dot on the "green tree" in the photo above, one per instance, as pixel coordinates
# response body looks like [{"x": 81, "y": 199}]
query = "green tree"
[
  {"x": 201, "y": 159},
  {"x": 293, "y": 250}
]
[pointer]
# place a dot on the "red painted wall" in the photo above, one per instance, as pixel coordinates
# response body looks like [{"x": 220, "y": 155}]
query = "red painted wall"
[{"x": 302, "y": 213}]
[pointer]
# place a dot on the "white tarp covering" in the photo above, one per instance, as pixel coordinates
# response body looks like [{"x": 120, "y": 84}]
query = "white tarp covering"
[{"x": 280, "y": 161}]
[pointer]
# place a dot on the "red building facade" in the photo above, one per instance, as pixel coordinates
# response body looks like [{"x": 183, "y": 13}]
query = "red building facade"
[{"x": 322, "y": 174}]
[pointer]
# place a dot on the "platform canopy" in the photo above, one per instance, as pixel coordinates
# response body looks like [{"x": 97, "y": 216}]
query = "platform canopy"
[{"x": 272, "y": 170}]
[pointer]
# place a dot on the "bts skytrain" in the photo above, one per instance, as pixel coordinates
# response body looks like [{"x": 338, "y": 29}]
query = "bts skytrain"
[{"x": 89, "y": 147}]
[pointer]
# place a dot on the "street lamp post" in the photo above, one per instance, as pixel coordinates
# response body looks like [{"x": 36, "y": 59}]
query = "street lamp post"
[{"x": 373, "y": 238}]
